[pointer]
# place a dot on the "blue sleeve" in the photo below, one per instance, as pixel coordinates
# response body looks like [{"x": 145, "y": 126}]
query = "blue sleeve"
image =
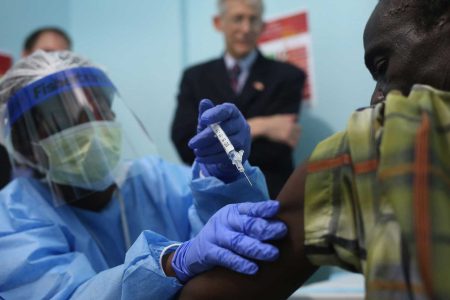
[
  {"x": 39, "y": 262},
  {"x": 210, "y": 194},
  {"x": 185, "y": 201},
  {"x": 140, "y": 277}
]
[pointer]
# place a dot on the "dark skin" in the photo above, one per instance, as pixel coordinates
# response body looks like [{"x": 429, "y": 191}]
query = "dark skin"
[
  {"x": 399, "y": 54},
  {"x": 94, "y": 201},
  {"x": 276, "y": 280},
  {"x": 81, "y": 198}
]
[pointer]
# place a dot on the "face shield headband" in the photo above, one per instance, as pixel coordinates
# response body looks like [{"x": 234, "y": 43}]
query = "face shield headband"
[
  {"x": 74, "y": 128},
  {"x": 46, "y": 88}
]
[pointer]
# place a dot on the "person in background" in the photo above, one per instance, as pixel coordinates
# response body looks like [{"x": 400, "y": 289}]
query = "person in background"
[
  {"x": 47, "y": 39},
  {"x": 267, "y": 92},
  {"x": 101, "y": 218},
  {"x": 373, "y": 199}
]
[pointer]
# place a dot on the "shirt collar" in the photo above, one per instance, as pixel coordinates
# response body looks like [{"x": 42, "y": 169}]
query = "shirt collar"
[{"x": 244, "y": 63}]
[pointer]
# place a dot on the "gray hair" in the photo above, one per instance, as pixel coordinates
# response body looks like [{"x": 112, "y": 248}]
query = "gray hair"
[{"x": 222, "y": 5}]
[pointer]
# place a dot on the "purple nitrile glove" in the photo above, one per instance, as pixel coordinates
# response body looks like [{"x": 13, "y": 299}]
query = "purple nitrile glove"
[
  {"x": 208, "y": 151},
  {"x": 232, "y": 238}
]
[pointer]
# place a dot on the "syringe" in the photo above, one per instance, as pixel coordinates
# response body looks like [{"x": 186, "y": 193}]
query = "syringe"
[{"x": 235, "y": 156}]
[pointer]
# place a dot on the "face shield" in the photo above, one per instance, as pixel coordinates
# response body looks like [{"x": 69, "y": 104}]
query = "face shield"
[{"x": 75, "y": 132}]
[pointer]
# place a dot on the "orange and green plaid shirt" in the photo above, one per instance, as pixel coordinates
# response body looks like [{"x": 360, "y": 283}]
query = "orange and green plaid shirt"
[{"x": 378, "y": 197}]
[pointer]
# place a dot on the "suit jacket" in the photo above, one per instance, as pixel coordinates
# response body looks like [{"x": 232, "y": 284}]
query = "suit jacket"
[{"x": 272, "y": 87}]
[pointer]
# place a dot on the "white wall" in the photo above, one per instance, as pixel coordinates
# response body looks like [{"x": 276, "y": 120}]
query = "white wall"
[
  {"x": 139, "y": 42},
  {"x": 145, "y": 44},
  {"x": 18, "y": 18}
]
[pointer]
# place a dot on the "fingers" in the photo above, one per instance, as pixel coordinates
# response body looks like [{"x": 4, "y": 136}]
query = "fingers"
[
  {"x": 220, "y": 113},
  {"x": 264, "y": 209},
  {"x": 246, "y": 246},
  {"x": 226, "y": 258},
  {"x": 204, "y": 105},
  {"x": 207, "y": 148},
  {"x": 259, "y": 228},
  {"x": 248, "y": 218},
  {"x": 263, "y": 229},
  {"x": 219, "y": 157},
  {"x": 206, "y": 137}
]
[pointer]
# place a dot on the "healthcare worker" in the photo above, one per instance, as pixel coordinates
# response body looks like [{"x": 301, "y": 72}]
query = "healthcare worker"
[{"x": 93, "y": 224}]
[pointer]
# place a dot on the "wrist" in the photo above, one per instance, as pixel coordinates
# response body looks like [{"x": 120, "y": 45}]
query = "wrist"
[
  {"x": 178, "y": 263},
  {"x": 167, "y": 265},
  {"x": 166, "y": 258}
]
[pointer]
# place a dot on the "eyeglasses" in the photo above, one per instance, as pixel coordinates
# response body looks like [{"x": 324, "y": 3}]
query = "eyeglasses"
[{"x": 253, "y": 22}]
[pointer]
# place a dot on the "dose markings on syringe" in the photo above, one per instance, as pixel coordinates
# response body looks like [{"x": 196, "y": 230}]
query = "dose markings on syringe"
[{"x": 223, "y": 140}]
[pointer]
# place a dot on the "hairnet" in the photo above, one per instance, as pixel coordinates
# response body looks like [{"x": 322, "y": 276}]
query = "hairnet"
[
  {"x": 32, "y": 68},
  {"x": 36, "y": 66}
]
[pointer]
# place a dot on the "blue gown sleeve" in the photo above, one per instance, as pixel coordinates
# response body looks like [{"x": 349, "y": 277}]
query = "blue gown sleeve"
[
  {"x": 210, "y": 193},
  {"x": 185, "y": 200},
  {"x": 38, "y": 262},
  {"x": 140, "y": 277}
]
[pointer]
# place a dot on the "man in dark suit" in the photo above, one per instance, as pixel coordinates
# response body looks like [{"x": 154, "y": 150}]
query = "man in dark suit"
[{"x": 267, "y": 92}]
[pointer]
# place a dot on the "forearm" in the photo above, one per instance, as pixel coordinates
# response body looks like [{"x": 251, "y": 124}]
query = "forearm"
[
  {"x": 281, "y": 128},
  {"x": 211, "y": 194},
  {"x": 275, "y": 280},
  {"x": 257, "y": 127},
  {"x": 121, "y": 282}
]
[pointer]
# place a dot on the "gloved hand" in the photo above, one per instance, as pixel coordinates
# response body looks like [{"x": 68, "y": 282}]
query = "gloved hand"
[
  {"x": 232, "y": 237},
  {"x": 207, "y": 148}
]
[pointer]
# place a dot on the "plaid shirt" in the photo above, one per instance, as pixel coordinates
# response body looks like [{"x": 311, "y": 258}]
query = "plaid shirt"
[{"x": 378, "y": 197}]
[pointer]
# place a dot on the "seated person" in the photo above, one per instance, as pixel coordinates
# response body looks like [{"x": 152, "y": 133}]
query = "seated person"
[
  {"x": 373, "y": 199},
  {"x": 101, "y": 218}
]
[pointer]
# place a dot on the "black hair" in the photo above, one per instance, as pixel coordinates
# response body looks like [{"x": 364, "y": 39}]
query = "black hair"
[
  {"x": 429, "y": 11},
  {"x": 31, "y": 40},
  {"x": 426, "y": 12}
]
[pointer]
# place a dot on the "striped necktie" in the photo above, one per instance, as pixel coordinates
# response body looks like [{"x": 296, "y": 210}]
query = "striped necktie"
[{"x": 234, "y": 77}]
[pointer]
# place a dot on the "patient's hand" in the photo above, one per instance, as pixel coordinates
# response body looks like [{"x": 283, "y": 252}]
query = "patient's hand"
[{"x": 274, "y": 280}]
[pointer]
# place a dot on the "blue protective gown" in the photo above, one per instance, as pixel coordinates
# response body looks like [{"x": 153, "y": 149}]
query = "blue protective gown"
[{"x": 49, "y": 252}]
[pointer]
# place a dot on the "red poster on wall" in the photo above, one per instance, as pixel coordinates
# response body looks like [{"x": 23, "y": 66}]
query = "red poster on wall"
[
  {"x": 287, "y": 38},
  {"x": 6, "y": 61}
]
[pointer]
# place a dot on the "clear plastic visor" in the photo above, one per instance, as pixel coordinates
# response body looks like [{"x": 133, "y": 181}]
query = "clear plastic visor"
[{"x": 75, "y": 132}]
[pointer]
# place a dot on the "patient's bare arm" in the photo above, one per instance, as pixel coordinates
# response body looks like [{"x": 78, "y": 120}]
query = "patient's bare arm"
[{"x": 276, "y": 280}]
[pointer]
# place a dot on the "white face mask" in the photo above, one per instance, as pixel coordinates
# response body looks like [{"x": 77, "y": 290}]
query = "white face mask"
[{"x": 84, "y": 156}]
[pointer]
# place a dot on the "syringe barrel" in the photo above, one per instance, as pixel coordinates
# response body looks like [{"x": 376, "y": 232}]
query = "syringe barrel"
[
  {"x": 220, "y": 134},
  {"x": 235, "y": 157}
]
